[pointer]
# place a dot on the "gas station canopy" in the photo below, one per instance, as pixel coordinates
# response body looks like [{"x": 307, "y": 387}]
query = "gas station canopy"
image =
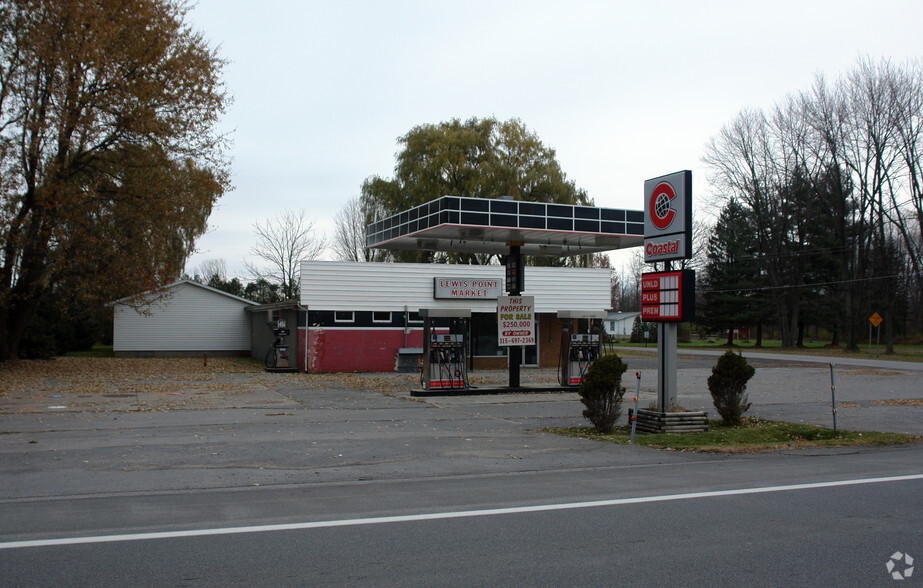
[{"x": 478, "y": 225}]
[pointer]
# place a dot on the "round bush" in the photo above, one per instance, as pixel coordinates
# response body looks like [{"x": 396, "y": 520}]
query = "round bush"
[
  {"x": 728, "y": 384},
  {"x": 601, "y": 392}
]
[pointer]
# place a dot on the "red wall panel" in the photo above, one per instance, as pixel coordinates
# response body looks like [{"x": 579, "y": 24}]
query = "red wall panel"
[{"x": 357, "y": 350}]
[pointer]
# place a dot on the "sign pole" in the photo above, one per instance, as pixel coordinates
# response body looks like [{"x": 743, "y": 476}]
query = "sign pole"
[
  {"x": 833, "y": 397},
  {"x": 661, "y": 369},
  {"x": 670, "y": 330},
  {"x": 875, "y": 321},
  {"x": 514, "y": 287},
  {"x": 515, "y": 357},
  {"x": 634, "y": 415},
  {"x": 666, "y": 352}
]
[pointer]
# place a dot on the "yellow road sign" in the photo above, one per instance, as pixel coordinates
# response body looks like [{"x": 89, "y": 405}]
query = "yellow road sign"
[{"x": 875, "y": 319}]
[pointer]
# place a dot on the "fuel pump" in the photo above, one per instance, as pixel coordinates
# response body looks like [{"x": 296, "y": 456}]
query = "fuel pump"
[
  {"x": 447, "y": 361},
  {"x": 578, "y": 350},
  {"x": 583, "y": 351},
  {"x": 444, "y": 354},
  {"x": 277, "y": 354}
]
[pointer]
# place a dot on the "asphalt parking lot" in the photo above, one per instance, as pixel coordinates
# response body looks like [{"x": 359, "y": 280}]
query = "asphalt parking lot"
[
  {"x": 870, "y": 395},
  {"x": 71, "y": 430}
]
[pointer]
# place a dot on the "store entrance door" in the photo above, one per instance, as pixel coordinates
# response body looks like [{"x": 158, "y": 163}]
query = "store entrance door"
[{"x": 530, "y": 352}]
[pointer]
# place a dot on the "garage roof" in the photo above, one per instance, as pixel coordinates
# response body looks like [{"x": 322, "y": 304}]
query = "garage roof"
[{"x": 479, "y": 225}]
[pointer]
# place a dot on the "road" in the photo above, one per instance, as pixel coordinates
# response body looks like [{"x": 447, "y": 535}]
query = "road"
[
  {"x": 341, "y": 486},
  {"x": 715, "y": 522}
]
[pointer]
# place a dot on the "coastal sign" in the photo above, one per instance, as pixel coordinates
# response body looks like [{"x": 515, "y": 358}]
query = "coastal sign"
[{"x": 668, "y": 217}]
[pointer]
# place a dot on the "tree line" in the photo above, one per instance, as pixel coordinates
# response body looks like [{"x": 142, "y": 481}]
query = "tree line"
[{"x": 821, "y": 209}]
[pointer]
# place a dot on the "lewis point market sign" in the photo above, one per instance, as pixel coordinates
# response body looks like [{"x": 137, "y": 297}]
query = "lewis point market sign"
[
  {"x": 668, "y": 217},
  {"x": 467, "y": 288}
]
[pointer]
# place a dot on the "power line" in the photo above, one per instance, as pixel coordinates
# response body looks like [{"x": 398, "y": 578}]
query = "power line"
[
  {"x": 789, "y": 286},
  {"x": 784, "y": 254}
]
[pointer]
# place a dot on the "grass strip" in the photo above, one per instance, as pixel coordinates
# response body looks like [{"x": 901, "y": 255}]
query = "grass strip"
[
  {"x": 752, "y": 435},
  {"x": 95, "y": 351}
]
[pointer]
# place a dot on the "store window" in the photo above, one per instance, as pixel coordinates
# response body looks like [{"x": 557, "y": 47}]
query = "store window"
[
  {"x": 381, "y": 317},
  {"x": 344, "y": 316},
  {"x": 484, "y": 335}
]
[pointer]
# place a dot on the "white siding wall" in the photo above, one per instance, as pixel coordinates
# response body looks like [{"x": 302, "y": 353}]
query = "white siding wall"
[
  {"x": 327, "y": 285},
  {"x": 190, "y": 318}
]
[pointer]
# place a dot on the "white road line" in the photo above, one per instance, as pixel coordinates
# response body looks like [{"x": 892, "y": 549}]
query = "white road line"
[{"x": 446, "y": 515}]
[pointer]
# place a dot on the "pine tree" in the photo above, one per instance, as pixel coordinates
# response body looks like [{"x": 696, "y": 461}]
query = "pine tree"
[{"x": 732, "y": 275}]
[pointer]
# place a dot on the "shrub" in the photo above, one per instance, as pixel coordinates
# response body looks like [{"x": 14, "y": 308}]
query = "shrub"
[
  {"x": 601, "y": 392},
  {"x": 728, "y": 383}
]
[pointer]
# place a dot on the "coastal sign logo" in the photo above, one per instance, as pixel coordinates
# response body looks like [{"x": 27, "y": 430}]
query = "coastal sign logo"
[
  {"x": 668, "y": 217},
  {"x": 662, "y": 213}
]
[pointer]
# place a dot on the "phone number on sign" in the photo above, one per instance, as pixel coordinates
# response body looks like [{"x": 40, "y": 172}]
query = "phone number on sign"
[{"x": 518, "y": 341}]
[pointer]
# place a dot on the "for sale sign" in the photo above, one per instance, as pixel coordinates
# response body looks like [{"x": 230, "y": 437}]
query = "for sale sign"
[
  {"x": 515, "y": 320},
  {"x": 668, "y": 217}
]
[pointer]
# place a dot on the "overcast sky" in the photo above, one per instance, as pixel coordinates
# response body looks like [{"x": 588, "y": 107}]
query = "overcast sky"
[{"x": 623, "y": 91}]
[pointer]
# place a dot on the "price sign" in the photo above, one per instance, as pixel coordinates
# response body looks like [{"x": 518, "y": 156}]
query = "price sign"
[{"x": 668, "y": 296}]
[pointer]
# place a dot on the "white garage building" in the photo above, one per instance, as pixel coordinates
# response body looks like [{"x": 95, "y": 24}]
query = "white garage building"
[{"x": 184, "y": 318}]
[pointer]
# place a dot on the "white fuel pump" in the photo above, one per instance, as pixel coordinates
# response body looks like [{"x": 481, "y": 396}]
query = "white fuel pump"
[
  {"x": 578, "y": 350},
  {"x": 444, "y": 354}
]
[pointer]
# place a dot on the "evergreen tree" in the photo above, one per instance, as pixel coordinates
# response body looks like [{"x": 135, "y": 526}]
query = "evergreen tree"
[
  {"x": 263, "y": 291},
  {"x": 637, "y": 333},
  {"x": 732, "y": 273},
  {"x": 814, "y": 252},
  {"x": 232, "y": 286}
]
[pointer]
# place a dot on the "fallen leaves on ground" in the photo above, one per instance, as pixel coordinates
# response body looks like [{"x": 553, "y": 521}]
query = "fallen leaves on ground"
[
  {"x": 83, "y": 375},
  {"x": 86, "y": 382},
  {"x": 901, "y": 402}
]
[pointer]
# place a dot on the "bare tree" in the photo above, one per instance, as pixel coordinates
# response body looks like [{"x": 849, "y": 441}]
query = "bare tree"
[
  {"x": 908, "y": 90},
  {"x": 350, "y": 230},
  {"x": 283, "y": 243},
  {"x": 625, "y": 284},
  {"x": 210, "y": 268}
]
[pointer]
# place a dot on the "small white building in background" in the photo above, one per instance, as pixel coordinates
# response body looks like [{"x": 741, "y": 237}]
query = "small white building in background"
[
  {"x": 183, "y": 318},
  {"x": 618, "y": 324}
]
